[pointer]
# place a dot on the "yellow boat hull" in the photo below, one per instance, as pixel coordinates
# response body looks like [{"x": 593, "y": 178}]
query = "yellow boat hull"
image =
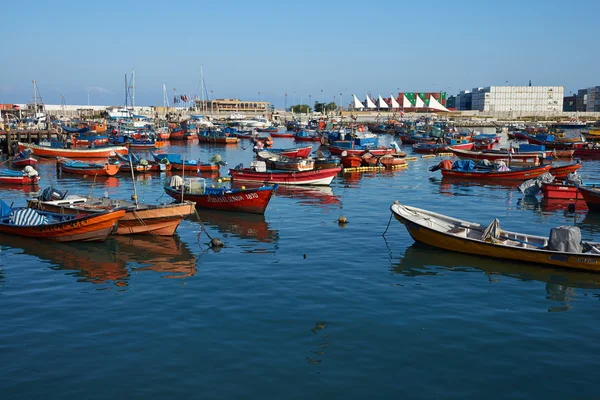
[{"x": 452, "y": 242}]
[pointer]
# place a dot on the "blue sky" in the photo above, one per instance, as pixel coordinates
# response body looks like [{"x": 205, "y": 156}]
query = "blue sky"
[{"x": 307, "y": 48}]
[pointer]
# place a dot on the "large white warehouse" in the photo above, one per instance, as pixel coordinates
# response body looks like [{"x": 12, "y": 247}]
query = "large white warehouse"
[{"x": 518, "y": 98}]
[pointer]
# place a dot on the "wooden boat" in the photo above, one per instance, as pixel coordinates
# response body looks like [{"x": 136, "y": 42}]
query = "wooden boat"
[
  {"x": 154, "y": 219},
  {"x": 304, "y": 136},
  {"x": 217, "y": 137},
  {"x": 561, "y": 191},
  {"x": 265, "y": 141},
  {"x": 23, "y": 159},
  {"x": 425, "y": 148},
  {"x": 88, "y": 138},
  {"x": 472, "y": 238},
  {"x": 282, "y": 134},
  {"x": 179, "y": 164},
  {"x": 98, "y": 127},
  {"x": 369, "y": 160},
  {"x": 516, "y": 174},
  {"x": 251, "y": 200},
  {"x": 58, "y": 227},
  {"x": 276, "y": 161},
  {"x": 142, "y": 165},
  {"x": 351, "y": 161},
  {"x": 269, "y": 129},
  {"x": 51, "y": 152},
  {"x": 591, "y": 195},
  {"x": 87, "y": 168},
  {"x": 28, "y": 176},
  {"x": 360, "y": 150},
  {"x": 262, "y": 175},
  {"x": 587, "y": 151},
  {"x": 494, "y": 155},
  {"x": 293, "y": 152},
  {"x": 563, "y": 153},
  {"x": 327, "y": 162},
  {"x": 561, "y": 171},
  {"x": 392, "y": 161}
]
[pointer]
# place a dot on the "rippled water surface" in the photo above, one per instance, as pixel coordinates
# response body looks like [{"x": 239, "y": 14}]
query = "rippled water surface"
[{"x": 296, "y": 306}]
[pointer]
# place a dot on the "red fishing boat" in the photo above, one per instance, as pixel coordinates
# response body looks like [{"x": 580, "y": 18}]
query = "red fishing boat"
[
  {"x": 591, "y": 197},
  {"x": 28, "y": 176},
  {"x": 51, "y": 152},
  {"x": 494, "y": 155},
  {"x": 561, "y": 191},
  {"x": 23, "y": 159},
  {"x": 590, "y": 151},
  {"x": 351, "y": 161},
  {"x": 87, "y": 168},
  {"x": 521, "y": 174},
  {"x": 259, "y": 173},
  {"x": 58, "y": 227},
  {"x": 282, "y": 134},
  {"x": 252, "y": 200},
  {"x": 561, "y": 171}
]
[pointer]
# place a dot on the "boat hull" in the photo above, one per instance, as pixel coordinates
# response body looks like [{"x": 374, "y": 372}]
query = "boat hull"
[
  {"x": 591, "y": 197},
  {"x": 94, "y": 227},
  {"x": 560, "y": 191},
  {"x": 447, "y": 241},
  {"x": 521, "y": 174},
  {"x": 50, "y": 152},
  {"x": 22, "y": 163},
  {"x": 562, "y": 171},
  {"x": 314, "y": 177},
  {"x": 253, "y": 201},
  {"x": 160, "y": 220},
  {"x": 105, "y": 170}
]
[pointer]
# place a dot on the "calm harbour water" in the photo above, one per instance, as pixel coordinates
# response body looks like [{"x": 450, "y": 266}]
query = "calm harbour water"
[{"x": 296, "y": 306}]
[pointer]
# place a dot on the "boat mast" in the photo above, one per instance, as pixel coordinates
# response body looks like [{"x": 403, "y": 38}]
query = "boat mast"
[
  {"x": 34, "y": 99},
  {"x": 133, "y": 89},
  {"x": 202, "y": 88}
]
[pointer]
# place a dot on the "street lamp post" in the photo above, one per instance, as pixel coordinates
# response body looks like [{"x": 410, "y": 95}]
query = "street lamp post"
[
  {"x": 310, "y": 103},
  {"x": 212, "y": 100}
]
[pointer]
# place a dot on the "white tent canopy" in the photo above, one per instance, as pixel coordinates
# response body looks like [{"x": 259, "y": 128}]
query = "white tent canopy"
[
  {"x": 370, "y": 103},
  {"x": 419, "y": 103},
  {"x": 394, "y": 102},
  {"x": 435, "y": 105},
  {"x": 406, "y": 103},
  {"x": 357, "y": 103},
  {"x": 381, "y": 103}
]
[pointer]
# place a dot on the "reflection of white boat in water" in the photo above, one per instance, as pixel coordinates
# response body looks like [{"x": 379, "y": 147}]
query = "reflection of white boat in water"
[
  {"x": 242, "y": 225},
  {"x": 423, "y": 260},
  {"x": 111, "y": 261}
]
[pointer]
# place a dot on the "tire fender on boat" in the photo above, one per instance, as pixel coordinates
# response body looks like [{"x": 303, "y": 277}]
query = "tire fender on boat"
[{"x": 59, "y": 130}]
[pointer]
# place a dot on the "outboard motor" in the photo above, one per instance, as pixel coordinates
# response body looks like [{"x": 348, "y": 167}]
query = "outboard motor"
[{"x": 50, "y": 194}]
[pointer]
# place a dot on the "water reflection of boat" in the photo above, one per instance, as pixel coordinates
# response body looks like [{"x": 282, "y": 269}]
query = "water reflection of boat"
[
  {"x": 422, "y": 260},
  {"x": 590, "y": 225},
  {"x": 109, "y": 261},
  {"x": 243, "y": 225},
  {"x": 551, "y": 205},
  {"x": 310, "y": 195}
]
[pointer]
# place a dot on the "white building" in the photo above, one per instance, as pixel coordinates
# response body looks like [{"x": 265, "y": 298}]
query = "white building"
[{"x": 518, "y": 98}]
